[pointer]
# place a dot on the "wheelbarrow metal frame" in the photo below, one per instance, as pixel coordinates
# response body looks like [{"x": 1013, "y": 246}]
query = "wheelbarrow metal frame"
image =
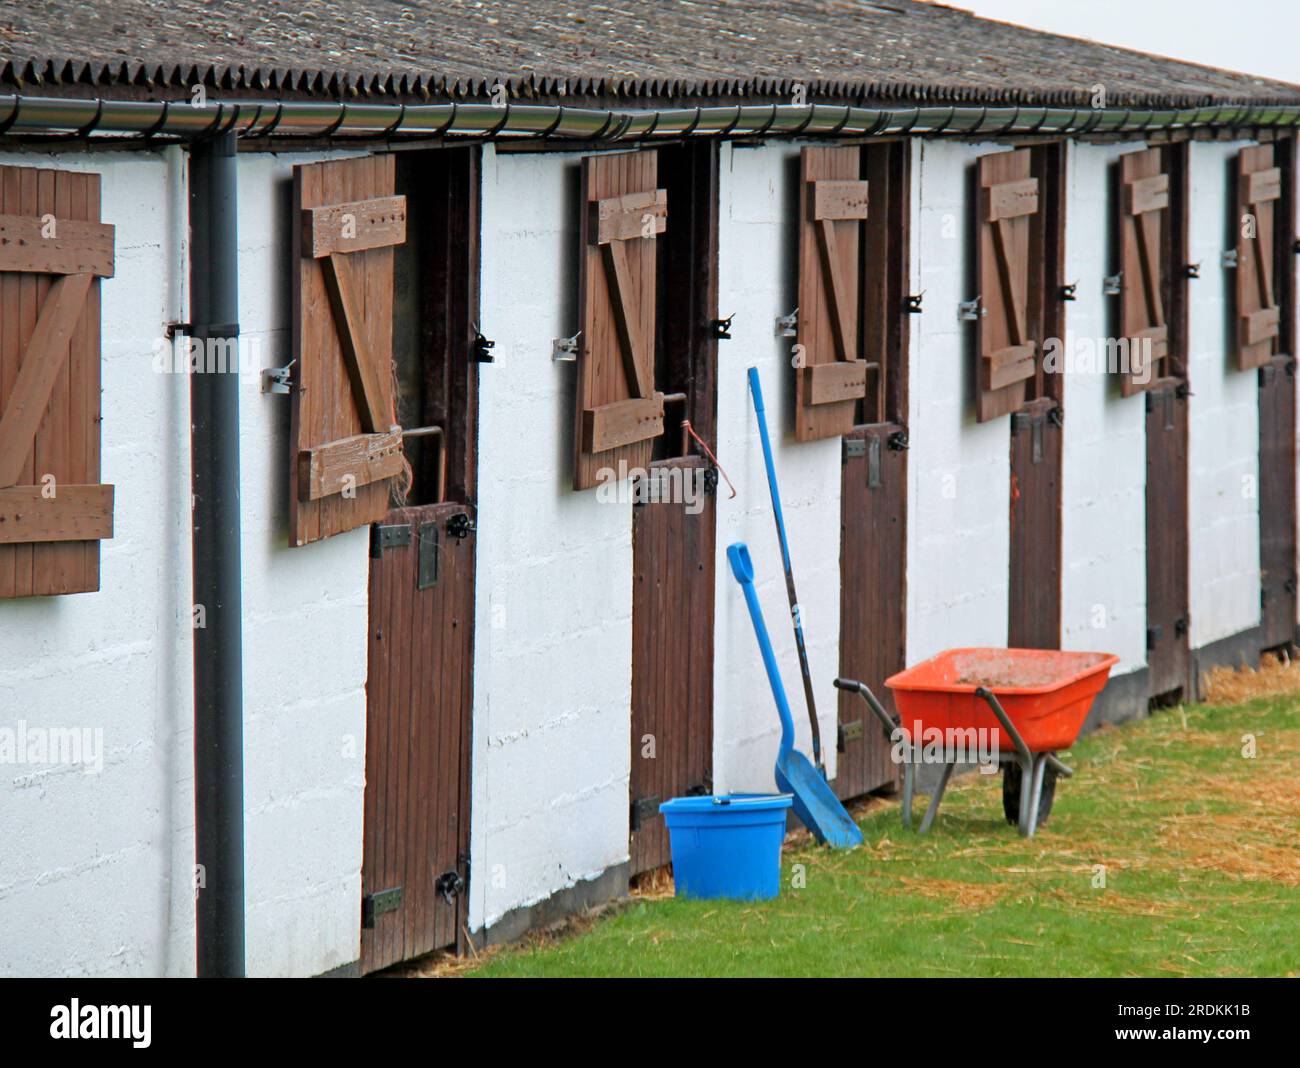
[{"x": 1032, "y": 765}]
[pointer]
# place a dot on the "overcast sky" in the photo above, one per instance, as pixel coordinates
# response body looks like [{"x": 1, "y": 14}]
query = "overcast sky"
[{"x": 1255, "y": 36}]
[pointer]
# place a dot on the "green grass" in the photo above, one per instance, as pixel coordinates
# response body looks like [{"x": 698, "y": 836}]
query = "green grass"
[{"x": 1201, "y": 849}]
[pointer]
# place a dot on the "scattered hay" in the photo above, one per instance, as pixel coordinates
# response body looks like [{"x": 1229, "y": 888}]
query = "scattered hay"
[
  {"x": 1276, "y": 676},
  {"x": 654, "y": 885},
  {"x": 963, "y": 896}
]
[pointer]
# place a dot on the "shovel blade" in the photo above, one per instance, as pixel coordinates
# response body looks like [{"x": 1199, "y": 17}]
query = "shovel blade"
[{"x": 815, "y": 802}]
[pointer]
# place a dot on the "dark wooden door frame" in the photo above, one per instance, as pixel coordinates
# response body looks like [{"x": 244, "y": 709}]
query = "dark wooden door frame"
[
  {"x": 873, "y": 486},
  {"x": 1037, "y": 445},
  {"x": 1169, "y": 662},
  {"x": 674, "y": 545},
  {"x": 444, "y": 202},
  {"x": 1277, "y": 429}
]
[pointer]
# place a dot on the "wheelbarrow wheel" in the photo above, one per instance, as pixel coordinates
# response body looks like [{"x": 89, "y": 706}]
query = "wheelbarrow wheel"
[{"x": 1012, "y": 783}]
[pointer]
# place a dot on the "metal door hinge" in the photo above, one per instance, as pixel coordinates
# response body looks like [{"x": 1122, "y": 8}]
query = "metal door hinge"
[
  {"x": 375, "y": 905},
  {"x": 848, "y": 732},
  {"x": 854, "y": 448},
  {"x": 642, "y": 811},
  {"x": 1229, "y": 259},
  {"x": 721, "y": 328},
  {"x": 278, "y": 379},
  {"x": 449, "y": 886},
  {"x": 427, "y": 575},
  {"x": 460, "y": 526},
  {"x": 968, "y": 311},
  {"x": 912, "y": 303},
  {"x": 788, "y": 325},
  {"x": 565, "y": 349},
  {"x": 1110, "y": 284},
  {"x": 388, "y": 536},
  {"x": 1192, "y": 270},
  {"x": 1070, "y": 291}
]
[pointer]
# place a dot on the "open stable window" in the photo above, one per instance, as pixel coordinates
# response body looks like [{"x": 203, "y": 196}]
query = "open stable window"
[
  {"x": 53, "y": 510},
  {"x": 884, "y": 278},
  {"x": 687, "y": 297},
  {"x": 435, "y": 335}
]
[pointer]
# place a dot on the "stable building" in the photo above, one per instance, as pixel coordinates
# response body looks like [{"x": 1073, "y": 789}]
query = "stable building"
[{"x": 373, "y": 420}]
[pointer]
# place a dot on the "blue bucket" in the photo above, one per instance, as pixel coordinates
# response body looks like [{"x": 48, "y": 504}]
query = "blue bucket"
[{"x": 727, "y": 846}]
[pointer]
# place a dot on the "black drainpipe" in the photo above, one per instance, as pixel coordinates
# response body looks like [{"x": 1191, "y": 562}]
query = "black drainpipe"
[{"x": 218, "y": 638}]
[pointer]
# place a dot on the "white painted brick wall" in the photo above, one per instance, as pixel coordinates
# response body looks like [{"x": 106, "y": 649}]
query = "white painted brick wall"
[
  {"x": 758, "y": 265},
  {"x": 96, "y": 877},
  {"x": 1223, "y": 484},
  {"x": 553, "y": 637},
  {"x": 959, "y": 474},
  {"x": 1103, "y": 538}
]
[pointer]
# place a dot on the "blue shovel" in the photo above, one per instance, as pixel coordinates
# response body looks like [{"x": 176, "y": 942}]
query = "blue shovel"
[{"x": 814, "y": 801}]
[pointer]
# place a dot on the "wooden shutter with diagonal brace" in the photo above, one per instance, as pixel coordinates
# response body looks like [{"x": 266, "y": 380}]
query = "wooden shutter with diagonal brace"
[
  {"x": 53, "y": 511},
  {"x": 345, "y": 441},
  {"x": 1007, "y": 351},
  {"x": 830, "y": 377},
  {"x": 618, "y": 411},
  {"x": 1144, "y": 217},
  {"x": 1259, "y": 184}
]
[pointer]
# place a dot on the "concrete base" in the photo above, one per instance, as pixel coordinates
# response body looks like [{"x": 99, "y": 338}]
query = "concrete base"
[
  {"x": 1124, "y": 698},
  {"x": 610, "y": 884}
]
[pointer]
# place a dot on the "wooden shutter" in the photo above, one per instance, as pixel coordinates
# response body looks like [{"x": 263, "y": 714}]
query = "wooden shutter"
[
  {"x": 1144, "y": 218},
  {"x": 830, "y": 377},
  {"x": 53, "y": 511},
  {"x": 1007, "y": 353},
  {"x": 1259, "y": 184},
  {"x": 618, "y": 411},
  {"x": 346, "y": 446}
]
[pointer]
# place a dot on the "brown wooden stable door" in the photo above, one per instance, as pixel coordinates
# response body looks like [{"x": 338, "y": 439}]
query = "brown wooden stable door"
[
  {"x": 873, "y": 496},
  {"x": 1168, "y": 659},
  {"x": 1277, "y": 503},
  {"x": 673, "y": 528},
  {"x": 1034, "y": 617},
  {"x": 415, "y": 867}
]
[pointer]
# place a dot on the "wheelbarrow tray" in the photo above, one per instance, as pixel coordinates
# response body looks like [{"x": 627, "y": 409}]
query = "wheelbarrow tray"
[{"x": 1045, "y": 693}]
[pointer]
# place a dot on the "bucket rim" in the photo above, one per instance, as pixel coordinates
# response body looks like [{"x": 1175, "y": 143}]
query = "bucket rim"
[{"x": 722, "y": 803}]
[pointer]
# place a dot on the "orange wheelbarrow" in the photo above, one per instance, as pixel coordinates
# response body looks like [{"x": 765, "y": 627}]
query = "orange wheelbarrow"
[{"x": 1018, "y": 705}]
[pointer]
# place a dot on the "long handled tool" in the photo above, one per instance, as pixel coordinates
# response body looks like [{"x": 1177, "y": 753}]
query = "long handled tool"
[
  {"x": 814, "y": 801},
  {"x": 757, "y": 390}
]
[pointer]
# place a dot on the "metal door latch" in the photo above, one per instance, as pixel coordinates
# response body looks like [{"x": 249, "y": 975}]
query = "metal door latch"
[
  {"x": 721, "y": 328},
  {"x": 788, "y": 325},
  {"x": 968, "y": 311},
  {"x": 449, "y": 886},
  {"x": 912, "y": 303},
  {"x": 897, "y": 441},
  {"x": 278, "y": 379},
  {"x": 1110, "y": 284},
  {"x": 1070, "y": 291},
  {"x": 1229, "y": 259},
  {"x": 460, "y": 526},
  {"x": 481, "y": 350},
  {"x": 1192, "y": 270}
]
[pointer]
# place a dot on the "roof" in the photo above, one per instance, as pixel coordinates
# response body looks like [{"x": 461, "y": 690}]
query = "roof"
[{"x": 868, "y": 51}]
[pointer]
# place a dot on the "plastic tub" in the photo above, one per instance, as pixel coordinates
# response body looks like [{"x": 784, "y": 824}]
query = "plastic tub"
[
  {"x": 1044, "y": 692},
  {"x": 729, "y": 846}
]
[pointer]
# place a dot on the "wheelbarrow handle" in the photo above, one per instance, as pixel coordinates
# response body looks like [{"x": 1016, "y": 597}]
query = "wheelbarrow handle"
[
  {"x": 1022, "y": 749},
  {"x": 886, "y": 720}
]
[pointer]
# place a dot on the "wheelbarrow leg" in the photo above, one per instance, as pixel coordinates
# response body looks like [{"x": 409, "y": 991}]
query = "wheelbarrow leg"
[
  {"x": 909, "y": 787},
  {"x": 1029, "y": 820},
  {"x": 932, "y": 809}
]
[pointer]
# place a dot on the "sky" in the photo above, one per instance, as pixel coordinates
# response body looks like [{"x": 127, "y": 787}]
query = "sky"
[{"x": 1254, "y": 36}]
